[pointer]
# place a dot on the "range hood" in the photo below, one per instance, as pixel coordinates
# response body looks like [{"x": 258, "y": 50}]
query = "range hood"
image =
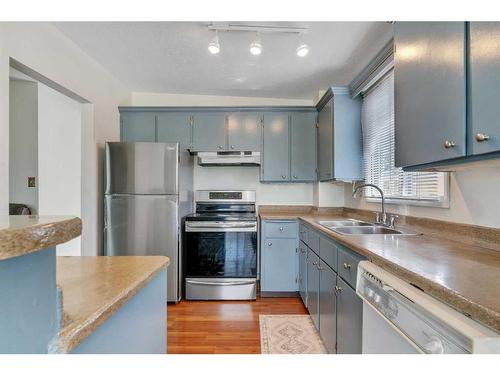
[{"x": 229, "y": 158}]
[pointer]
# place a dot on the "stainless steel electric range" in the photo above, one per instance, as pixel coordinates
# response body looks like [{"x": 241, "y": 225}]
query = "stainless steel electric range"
[{"x": 221, "y": 246}]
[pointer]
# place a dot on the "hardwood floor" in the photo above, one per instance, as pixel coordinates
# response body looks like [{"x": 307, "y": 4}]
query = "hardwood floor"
[{"x": 222, "y": 327}]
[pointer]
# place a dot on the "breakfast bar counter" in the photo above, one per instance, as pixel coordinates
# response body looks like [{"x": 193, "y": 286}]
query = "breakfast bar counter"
[
  {"x": 53, "y": 304},
  {"x": 95, "y": 288}
]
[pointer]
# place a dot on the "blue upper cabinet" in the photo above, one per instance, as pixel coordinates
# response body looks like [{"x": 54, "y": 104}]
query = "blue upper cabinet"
[
  {"x": 303, "y": 146},
  {"x": 429, "y": 92},
  {"x": 244, "y": 131},
  {"x": 339, "y": 136},
  {"x": 276, "y": 147},
  {"x": 138, "y": 127},
  {"x": 209, "y": 131},
  {"x": 484, "y": 84},
  {"x": 173, "y": 127}
]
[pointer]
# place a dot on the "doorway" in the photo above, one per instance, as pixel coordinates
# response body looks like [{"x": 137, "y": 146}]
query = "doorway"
[{"x": 45, "y": 152}]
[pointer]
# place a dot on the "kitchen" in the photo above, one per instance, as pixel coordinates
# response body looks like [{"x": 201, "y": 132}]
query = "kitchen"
[{"x": 352, "y": 210}]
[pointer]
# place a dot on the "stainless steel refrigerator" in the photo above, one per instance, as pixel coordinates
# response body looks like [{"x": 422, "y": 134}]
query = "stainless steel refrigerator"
[{"x": 148, "y": 192}]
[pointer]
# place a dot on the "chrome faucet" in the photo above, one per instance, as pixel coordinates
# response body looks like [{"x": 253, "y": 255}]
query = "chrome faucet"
[{"x": 381, "y": 216}]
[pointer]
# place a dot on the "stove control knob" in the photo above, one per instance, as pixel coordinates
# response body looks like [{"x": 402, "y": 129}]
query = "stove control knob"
[{"x": 434, "y": 346}]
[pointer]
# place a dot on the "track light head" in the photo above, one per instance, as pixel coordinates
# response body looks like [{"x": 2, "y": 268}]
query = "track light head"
[
  {"x": 256, "y": 46},
  {"x": 214, "y": 46}
]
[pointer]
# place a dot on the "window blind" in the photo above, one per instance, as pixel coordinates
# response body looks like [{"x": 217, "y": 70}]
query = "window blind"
[{"x": 377, "y": 117}]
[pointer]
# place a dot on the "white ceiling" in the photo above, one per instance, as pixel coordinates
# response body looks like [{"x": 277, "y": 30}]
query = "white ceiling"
[{"x": 172, "y": 57}]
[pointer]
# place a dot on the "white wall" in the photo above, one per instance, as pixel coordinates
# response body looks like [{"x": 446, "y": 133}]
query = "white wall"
[
  {"x": 328, "y": 194},
  {"x": 165, "y": 99},
  {"x": 59, "y": 159},
  {"x": 23, "y": 150},
  {"x": 474, "y": 197},
  {"x": 41, "y": 47},
  {"x": 247, "y": 178}
]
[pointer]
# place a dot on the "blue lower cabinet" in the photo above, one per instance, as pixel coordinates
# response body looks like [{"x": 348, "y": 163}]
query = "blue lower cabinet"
[
  {"x": 349, "y": 319},
  {"x": 303, "y": 253},
  {"x": 313, "y": 287},
  {"x": 327, "y": 306},
  {"x": 279, "y": 265}
]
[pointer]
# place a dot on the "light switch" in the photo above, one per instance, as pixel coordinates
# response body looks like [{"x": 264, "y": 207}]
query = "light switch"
[{"x": 31, "y": 182}]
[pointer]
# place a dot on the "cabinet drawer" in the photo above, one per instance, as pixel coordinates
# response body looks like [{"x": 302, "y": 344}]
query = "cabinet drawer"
[
  {"x": 347, "y": 266},
  {"x": 328, "y": 252},
  {"x": 303, "y": 233},
  {"x": 313, "y": 240},
  {"x": 280, "y": 229}
]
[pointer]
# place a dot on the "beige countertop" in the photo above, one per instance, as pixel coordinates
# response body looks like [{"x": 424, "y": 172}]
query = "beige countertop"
[
  {"x": 94, "y": 288},
  {"x": 457, "y": 272},
  {"x": 24, "y": 234}
]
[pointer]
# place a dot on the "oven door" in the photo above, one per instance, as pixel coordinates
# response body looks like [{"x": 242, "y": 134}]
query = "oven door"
[{"x": 221, "y": 249}]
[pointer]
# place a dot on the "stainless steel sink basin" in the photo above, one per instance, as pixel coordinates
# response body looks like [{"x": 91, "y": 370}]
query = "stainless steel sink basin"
[
  {"x": 344, "y": 223},
  {"x": 367, "y": 230}
]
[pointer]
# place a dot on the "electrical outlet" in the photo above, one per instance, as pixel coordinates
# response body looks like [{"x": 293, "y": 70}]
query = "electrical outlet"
[{"x": 31, "y": 182}]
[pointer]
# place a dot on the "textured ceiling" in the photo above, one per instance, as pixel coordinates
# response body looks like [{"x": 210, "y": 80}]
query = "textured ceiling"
[{"x": 172, "y": 57}]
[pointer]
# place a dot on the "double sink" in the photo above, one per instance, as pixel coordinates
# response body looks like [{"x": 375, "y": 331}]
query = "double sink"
[{"x": 356, "y": 227}]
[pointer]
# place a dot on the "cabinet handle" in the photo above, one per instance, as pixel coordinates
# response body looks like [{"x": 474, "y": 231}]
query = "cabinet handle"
[
  {"x": 449, "y": 144},
  {"x": 481, "y": 137},
  {"x": 338, "y": 290},
  {"x": 283, "y": 176},
  {"x": 219, "y": 147},
  {"x": 281, "y": 229},
  {"x": 294, "y": 176},
  {"x": 320, "y": 268},
  {"x": 232, "y": 147},
  {"x": 269, "y": 243},
  {"x": 315, "y": 263},
  {"x": 347, "y": 266}
]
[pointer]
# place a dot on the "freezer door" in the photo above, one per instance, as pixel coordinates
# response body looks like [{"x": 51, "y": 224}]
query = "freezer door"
[
  {"x": 144, "y": 225},
  {"x": 141, "y": 168}
]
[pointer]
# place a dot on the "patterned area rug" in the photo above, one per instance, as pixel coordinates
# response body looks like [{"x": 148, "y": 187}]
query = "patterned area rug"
[{"x": 289, "y": 334}]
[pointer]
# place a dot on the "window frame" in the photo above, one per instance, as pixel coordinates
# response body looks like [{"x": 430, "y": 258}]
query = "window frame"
[{"x": 444, "y": 202}]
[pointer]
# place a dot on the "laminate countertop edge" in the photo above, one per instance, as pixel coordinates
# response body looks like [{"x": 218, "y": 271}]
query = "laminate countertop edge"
[
  {"x": 73, "y": 333},
  {"x": 25, "y": 234},
  {"x": 476, "y": 311}
]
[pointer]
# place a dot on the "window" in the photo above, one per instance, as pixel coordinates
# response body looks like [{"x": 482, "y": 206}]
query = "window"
[{"x": 377, "y": 117}]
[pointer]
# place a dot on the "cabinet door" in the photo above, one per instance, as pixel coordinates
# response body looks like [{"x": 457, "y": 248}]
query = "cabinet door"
[
  {"x": 484, "y": 83},
  {"x": 313, "y": 287},
  {"x": 174, "y": 127},
  {"x": 279, "y": 265},
  {"x": 327, "y": 307},
  {"x": 325, "y": 142},
  {"x": 347, "y": 139},
  {"x": 429, "y": 89},
  {"x": 303, "y": 272},
  {"x": 138, "y": 127},
  {"x": 276, "y": 146},
  {"x": 349, "y": 319},
  {"x": 244, "y": 131},
  {"x": 209, "y": 131},
  {"x": 303, "y": 146}
]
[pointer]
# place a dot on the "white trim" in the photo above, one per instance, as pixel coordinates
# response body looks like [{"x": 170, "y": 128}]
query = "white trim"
[{"x": 443, "y": 203}]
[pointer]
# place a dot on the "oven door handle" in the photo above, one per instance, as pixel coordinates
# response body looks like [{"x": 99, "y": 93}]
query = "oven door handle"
[
  {"x": 215, "y": 283},
  {"x": 221, "y": 227}
]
